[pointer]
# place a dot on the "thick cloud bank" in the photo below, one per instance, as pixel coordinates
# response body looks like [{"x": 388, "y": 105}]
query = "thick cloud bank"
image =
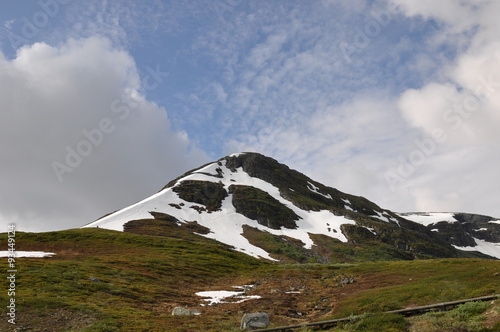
[{"x": 78, "y": 136}]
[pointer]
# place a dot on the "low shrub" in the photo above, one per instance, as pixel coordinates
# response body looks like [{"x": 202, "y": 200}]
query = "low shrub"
[
  {"x": 377, "y": 322},
  {"x": 464, "y": 318}
]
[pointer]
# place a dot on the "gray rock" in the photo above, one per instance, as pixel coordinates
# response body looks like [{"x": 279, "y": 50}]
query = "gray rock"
[
  {"x": 254, "y": 321},
  {"x": 346, "y": 281},
  {"x": 94, "y": 279},
  {"x": 181, "y": 311}
]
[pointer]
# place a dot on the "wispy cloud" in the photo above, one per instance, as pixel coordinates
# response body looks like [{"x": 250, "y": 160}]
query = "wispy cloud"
[
  {"x": 292, "y": 62},
  {"x": 292, "y": 93}
]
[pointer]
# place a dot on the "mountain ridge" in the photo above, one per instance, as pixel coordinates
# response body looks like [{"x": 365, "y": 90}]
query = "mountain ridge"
[{"x": 265, "y": 209}]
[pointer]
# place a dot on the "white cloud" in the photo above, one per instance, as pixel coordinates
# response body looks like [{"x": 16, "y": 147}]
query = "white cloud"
[
  {"x": 459, "y": 15},
  {"x": 425, "y": 108},
  {"x": 464, "y": 103},
  {"x": 81, "y": 98}
]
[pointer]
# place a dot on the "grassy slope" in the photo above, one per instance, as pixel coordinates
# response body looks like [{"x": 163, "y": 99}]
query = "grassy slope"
[
  {"x": 143, "y": 277},
  {"x": 138, "y": 274}
]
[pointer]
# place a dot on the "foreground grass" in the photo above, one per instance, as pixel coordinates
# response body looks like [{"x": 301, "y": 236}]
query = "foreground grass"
[
  {"x": 468, "y": 317},
  {"x": 140, "y": 278},
  {"x": 414, "y": 283},
  {"x": 135, "y": 274}
]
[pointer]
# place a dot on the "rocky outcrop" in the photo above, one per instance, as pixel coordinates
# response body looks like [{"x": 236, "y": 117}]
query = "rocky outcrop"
[
  {"x": 209, "y": 194},
  {"x": 479, "y": 226},
  {"x": 296, "y": 187},
  {"x": 467, "y": 228},
  {"x": 258, "y": 205}
]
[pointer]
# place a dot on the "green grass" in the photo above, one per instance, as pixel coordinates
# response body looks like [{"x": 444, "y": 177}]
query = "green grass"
[
  {"x": 332, "y": 250},
  {"x": 135, "y": 272},
  {"x": 284, "y": 248},
  {"x": 375, "y": 323},
  {"x": 465, "y": 318},
  {"x": 401, "y": 284}
]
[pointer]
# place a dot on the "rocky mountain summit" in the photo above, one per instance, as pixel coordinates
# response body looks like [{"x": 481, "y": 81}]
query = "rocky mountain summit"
[{"x": 258, "y": 206}]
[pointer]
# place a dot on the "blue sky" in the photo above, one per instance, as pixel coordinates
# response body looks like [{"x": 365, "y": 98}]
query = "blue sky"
[{"x": 105, "y": 101}]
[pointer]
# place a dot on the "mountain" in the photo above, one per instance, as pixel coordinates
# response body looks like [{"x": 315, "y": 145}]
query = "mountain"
[{"x": 261, "y": 207}]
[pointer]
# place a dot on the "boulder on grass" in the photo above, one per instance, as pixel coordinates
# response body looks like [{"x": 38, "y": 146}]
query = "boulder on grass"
[
  {"x": 255, "y": 321},
  {"x": 181, "y": 311}
]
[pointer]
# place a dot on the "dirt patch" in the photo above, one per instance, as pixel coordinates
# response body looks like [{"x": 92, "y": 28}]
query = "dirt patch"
[
  {"x": 290, "y": 297},
  {"x": 492, "y": 315},
  {"x": 55, "y": 321}
]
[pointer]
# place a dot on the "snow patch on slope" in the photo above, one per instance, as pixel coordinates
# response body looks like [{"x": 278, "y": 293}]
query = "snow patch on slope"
[
  {"x": 488, "y": 248},
  {"x": 347, "y": 204},
  {"x": 347, "y": 207},
  {"x": 315, "y": 189},
  {"x": 427, "y": 219},
  {"x": 381, "y": 216},
  {"x": 214, "y": 297},
  {"x": 27, "y": 254}
]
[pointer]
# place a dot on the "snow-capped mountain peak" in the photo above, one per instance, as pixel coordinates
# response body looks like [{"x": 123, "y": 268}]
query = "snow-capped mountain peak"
[{"x": 242, "y": 199}]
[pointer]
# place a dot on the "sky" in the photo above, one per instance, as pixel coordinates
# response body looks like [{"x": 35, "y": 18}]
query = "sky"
[{"x": 104, "y": 102}]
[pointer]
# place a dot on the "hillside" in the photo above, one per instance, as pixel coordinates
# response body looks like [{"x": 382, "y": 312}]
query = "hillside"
[
  {"x": 263, "y": 208},
  {"x": 103, "y": 280},
  {"x": 266, "y": 237}
]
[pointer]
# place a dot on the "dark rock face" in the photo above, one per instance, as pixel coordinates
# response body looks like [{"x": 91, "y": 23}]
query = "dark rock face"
[
  {"x": 481, "y": 227},
  {"x": 454, "y": 233},
  {"x": 468, "y": 227},
  {"x": 420, "y": 243},
  {"x": 210, "y": 194},
  {"x": 296, "y": 187},
  {"x": 293, "y": 185},
  {"x": 258, "y": 205}
]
